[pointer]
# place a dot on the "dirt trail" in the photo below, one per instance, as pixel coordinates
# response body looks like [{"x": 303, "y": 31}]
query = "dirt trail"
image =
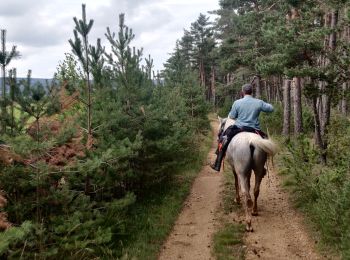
[
  {"x": 278, "y": 230},
  {"x": 192, "y": 234}
]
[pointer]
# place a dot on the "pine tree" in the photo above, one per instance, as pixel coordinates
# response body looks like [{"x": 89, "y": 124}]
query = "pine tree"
[
  {"x": 38, "y": 101},
  {"x": 298, "y": 119},
  {"x": 286, "y": 107},
  {"x": 69, "y": 73},
  {"x": 13, "y": 91},
  {"x": 126, "y": 63},
  {"x": 97, "y": 62},
  {"x": 5, "y": 59},
  {"x": 80, "y": 48},
  {"x": 203, "y": 45}
]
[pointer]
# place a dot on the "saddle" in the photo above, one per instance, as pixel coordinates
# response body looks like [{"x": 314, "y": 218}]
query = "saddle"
[
  {"x": 226, "y": 136},
  {"x": 253, "y": 130},
  {"x": 233, "y": 130}
]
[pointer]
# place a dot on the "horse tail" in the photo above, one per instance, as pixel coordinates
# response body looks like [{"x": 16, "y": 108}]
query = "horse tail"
[{"x": 266, "y": 145}]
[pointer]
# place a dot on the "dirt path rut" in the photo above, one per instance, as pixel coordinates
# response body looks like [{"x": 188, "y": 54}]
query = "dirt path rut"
[{"x": 278, "y": 230}]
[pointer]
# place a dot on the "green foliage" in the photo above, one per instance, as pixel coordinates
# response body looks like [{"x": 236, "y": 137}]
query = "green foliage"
[
  {"x": 194, "y": 54},
  {"x": 323, "y": 192},
  {"x": 308, "y": 120},
  {"x": 80, "y": 46},
  {"x": 97, "y": 62},
  {"x": 68, "y": 72},
  {"x": 66, "y": 134},
  {"x": 5, "y": 58},
  {"x": 38, "y": 100},
  {"x": 13, "y": 235},
  {"x": 25, "y": 145},
  {"x": 72, "y": 224},
  {"x": 228, "y": 242},
  {"x": 226, "y": 107},
  {"x": 272, "y": 122}
]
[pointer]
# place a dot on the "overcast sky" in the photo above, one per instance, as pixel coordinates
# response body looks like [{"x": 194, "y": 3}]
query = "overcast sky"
[{"x": 41, "y": 28}]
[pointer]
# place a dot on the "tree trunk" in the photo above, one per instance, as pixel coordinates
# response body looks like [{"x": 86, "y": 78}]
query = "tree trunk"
[
  {"x": 286, "y": 107},
  {"x": 192, "y": 108},
  {"x": 327, "y": 98},
  {"x": 3, "y": 49},
  {"x": 275, "y": 89},
  {"x": 298, "y": 118},
  {"x": 3, "y": 99},
  {"x": 13, "y": 83},
  {"x": 213, "y": 90},
  {"x": 279, "y": 88},
  {"x": 318, "y": 136},
  {"x": 258, "y": 87},
  {"x": 3, "y": 71},
  {"x": 202, "y": 73},
  {"x": 343, "y": 104},
  {"x": 345, "y": 86}
]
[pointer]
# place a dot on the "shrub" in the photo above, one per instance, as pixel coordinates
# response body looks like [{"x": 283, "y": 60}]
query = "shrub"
[{"x": 323, "y": 191}]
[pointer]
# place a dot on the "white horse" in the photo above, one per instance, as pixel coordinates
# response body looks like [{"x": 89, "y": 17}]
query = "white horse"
[{"x": 247, "y": 152}]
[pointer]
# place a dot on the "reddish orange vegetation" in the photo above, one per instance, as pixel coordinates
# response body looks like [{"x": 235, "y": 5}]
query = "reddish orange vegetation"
[
  {"x": 74, "y": 149},
  {"x": 66, "y": 154},
  {"x": 58, "y": 156},
  {"x": 7, "y": 157},
  {"x": 4, "y": 224},
  {"x": 62, "y": 155}
]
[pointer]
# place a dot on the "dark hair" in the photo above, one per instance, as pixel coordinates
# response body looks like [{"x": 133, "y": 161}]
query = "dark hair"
[{"x": 247, "y": 89}]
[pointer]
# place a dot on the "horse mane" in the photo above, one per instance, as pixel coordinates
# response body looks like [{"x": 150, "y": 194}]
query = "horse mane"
[{"x": 228, "y": 122}]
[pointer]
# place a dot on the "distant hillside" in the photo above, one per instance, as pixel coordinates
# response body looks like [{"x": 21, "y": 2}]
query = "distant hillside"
[{"x": 34, "y": 80}]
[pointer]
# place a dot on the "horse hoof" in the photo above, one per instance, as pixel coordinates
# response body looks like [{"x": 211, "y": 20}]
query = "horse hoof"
[{"x": 249, "y": 229}]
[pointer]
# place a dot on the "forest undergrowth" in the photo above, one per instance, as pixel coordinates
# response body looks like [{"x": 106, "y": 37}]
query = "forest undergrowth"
[{"x": 321, "y": 192}]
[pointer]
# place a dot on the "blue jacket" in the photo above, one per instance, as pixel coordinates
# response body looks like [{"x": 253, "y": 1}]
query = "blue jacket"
[{"x": 246, "y": 111}]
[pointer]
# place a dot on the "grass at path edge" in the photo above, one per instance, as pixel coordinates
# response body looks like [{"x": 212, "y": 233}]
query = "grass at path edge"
[
  {"x": 153, "y": 217},
  {"x": 228, "y": 240}
]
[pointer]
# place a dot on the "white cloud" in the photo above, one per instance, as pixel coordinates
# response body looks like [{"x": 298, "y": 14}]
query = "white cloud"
[
  {"x": 41, "y": 29},
  {"x": 10, "y": 8}
]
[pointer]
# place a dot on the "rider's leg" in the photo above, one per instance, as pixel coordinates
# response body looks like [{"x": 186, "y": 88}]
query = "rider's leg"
[
  {"x": 220, "y": 153},
  {"x": 222, "y": 147}
]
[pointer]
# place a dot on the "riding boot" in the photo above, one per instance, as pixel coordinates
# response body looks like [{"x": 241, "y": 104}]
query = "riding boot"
[
  {"x": 221, "y": 140},
  {"x": 220, "y": 154},
  {"x": 217, "y": 150},
  {"x": 217, "y": 165}
]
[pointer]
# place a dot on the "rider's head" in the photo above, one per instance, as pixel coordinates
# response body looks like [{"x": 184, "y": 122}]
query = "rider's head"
[{"x": 247, "y": 89}]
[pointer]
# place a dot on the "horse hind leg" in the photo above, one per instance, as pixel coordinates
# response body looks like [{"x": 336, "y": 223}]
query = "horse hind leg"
[
  {"x": 237, "y": 199},
  {"x": 248, "y": 204},
  {"x": 258, "y": 178},
  {"x": 248, "y": 212}
]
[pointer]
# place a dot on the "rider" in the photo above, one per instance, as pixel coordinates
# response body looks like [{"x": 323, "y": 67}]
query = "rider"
[{"x": 246, "y": 113}]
